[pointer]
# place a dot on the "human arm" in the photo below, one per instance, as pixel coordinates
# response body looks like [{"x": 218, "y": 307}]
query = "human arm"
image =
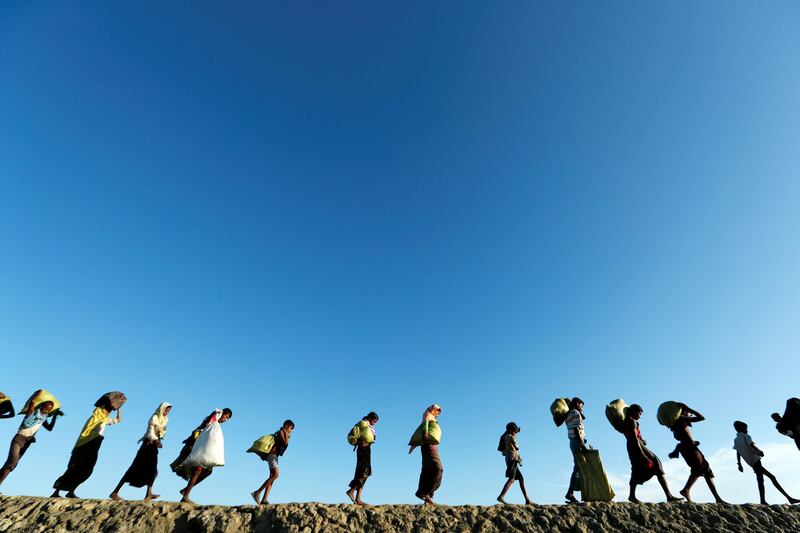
[
  {"x": 50, "y": 423},
  {"x": 32, "y": 403},
  {"x": 6, "y": 409},
  {"x": 739, "y": 462}
]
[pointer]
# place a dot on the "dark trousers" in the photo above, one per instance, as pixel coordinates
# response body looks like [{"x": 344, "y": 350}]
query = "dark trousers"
[
  {"x": 19, "y": 445},
  {"x": 363, "y": 467},
  {"x": 430, "y": 478}
]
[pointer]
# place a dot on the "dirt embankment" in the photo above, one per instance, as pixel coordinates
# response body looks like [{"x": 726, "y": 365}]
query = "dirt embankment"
[{"x": 25, "y": 514}]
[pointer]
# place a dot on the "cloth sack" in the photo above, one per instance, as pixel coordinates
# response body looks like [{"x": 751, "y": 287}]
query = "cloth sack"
[
  {"x": 616, "y": 412},
  {"x": 262, "y": 445},
  {"x": 111, "y": 401},
  {"x": 361, "y": 434},
  {"x": 594, "y": 482},
  {"x": 559, "y": 409},
  {"x": 209, "y": 448},
  {"x": 668, "y": 413},
  {"x": 42, "y": 397},
  {"x": 434, "y": 434}
]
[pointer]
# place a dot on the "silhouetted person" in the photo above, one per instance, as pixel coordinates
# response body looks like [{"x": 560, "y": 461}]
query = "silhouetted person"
[
  {"x": 430, "y": 477},
  {"x": 746, "y": 449},
  {"x": 272, "y": 457},
  {"x": 363, "y": 461},
  {"x": 644, "y": 463},
  {"x": 510, "y": 450},
  {"x": 689, "y": 449},
  {"x": 577, "y": 444}
]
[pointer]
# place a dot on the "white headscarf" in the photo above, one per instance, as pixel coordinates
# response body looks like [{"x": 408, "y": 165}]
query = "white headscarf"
[{"x": 157, "y": 425}]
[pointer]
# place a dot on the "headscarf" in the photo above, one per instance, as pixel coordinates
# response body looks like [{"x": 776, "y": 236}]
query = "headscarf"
[
  {"x": 158, "y": 421},
  {"x": 429, "y": 415},
  {"x": 91, "y": 429}
]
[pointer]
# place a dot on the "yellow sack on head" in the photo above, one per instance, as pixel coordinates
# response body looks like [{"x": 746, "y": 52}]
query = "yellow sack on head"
[
  {"x": 668, "y": 413},
  {"x": 39, "y": 399},
  {"x": 434, "y": 434},
  {"x": 559, "y": 409},
  {"x": 616, "y": 412},
  {"x": 263, "y": 445}
]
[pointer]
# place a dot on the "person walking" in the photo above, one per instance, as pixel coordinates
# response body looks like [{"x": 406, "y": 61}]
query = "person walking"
[
  {"x": 576, "y": 433},
  {"x": 38, "y": 414},
  {"x": 746, "y": 449},
  {"x": 84, "y": 454},
  {"x": 281, "y": 443},
  {"x": 690, "y": 450},
  {"x": 194, "y": 474},
  {"x": 144, "y": 468},
  {"x": 510, "y": 449},
  {"x": 644, "y": 463},
  {"x": 363, "y": 449},
  {"x": 430, "y": 478}
]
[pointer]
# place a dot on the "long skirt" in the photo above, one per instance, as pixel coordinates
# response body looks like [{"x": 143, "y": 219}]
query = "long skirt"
[
  {"x": 80, "y": 466},
  {"x": 363, "y": 467},
  {"x": 640, "y": 470},
  {"x": 430, "y": 478},
  {"x": 144, "y": 468}
]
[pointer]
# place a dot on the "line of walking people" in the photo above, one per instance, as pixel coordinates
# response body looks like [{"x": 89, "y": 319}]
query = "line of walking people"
[{"x": 203, "y": 449}]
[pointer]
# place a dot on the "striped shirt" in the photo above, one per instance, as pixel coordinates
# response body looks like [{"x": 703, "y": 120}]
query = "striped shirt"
[{"x": 574, "y": 424}]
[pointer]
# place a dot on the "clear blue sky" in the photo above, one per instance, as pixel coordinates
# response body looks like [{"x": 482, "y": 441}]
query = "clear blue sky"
[{"x": 314, "y": 210}]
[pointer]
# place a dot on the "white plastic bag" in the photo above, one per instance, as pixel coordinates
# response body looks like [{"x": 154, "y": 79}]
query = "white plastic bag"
[{"x": 209, "y": 448}]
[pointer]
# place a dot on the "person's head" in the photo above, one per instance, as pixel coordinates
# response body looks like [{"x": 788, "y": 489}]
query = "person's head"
[
  {"x": 288, "y": 425},
  {"x": 635, "y": 411},
  {"x": 740, "y": 426},
  {"x": 777, "y": 418},
  {"x": 435, "y": 409},
  {"x": 576, "y": 403},
  {"x": 46, "y": 407},
  {"x": 372, "y": 418},
  {"x": 512, "y": 428},
  {"x": 168, "y": 408},
  {"x": 226, "y": 415}
]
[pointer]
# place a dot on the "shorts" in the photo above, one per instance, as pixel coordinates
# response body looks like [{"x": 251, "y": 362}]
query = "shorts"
[{"x": 272, "y": 461}]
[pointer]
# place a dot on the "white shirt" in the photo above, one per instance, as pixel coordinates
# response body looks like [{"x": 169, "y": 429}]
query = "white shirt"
[
  {"x": 743, "y": 444},
  {"x": 107, "y": 422},
  {"x": 153, "y": 430}
]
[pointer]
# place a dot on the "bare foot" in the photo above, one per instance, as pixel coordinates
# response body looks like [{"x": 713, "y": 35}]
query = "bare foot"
[
  {"x": 152, "y": 497},
  {"x": 255, "y": 494},
  {"x": 114, "y": 496},
  {"x": 528, "y": 502},
  {"x": 429, "y": 501},
  {"x": 350, "y": 495},
  {"x": 685, "y": 494},
  {"x": 794, "y": 500},
  {"x": 71, "y": 494},
  {"x": 571, "y": 498},
  {"x": 56, "y": 494},
  {"x": 359, "y": 502},
  {"x": 264, "y": 502},
  {"x": 672, "y": 498},
  {"x": 501, "y": 500},
  {"x": 634, "y": 499},
  {"x": 187, "y": 500}
]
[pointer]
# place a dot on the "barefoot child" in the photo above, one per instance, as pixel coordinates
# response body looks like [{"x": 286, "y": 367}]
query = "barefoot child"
[
  {"x": 281, "y": 442},
  {"x": 510, "y": 449},
  {"x": 644, "y": 463},
  {"x": 36, "y": 416},
  {"x": 363, "y": 449},
  {"x": 746, "y": 448},
  {"x": 690, "y": 450}
]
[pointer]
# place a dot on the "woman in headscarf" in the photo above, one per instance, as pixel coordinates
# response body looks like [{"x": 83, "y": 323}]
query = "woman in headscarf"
[
  {"x": 84, "y": 454},
  {"x": 430, "y": 478},
  {"x": 144, "y": 468},
  {"x": 644, "y": 463}
]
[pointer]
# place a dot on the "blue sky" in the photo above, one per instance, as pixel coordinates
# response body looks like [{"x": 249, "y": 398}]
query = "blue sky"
[{"x": 314, "y": 211}]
